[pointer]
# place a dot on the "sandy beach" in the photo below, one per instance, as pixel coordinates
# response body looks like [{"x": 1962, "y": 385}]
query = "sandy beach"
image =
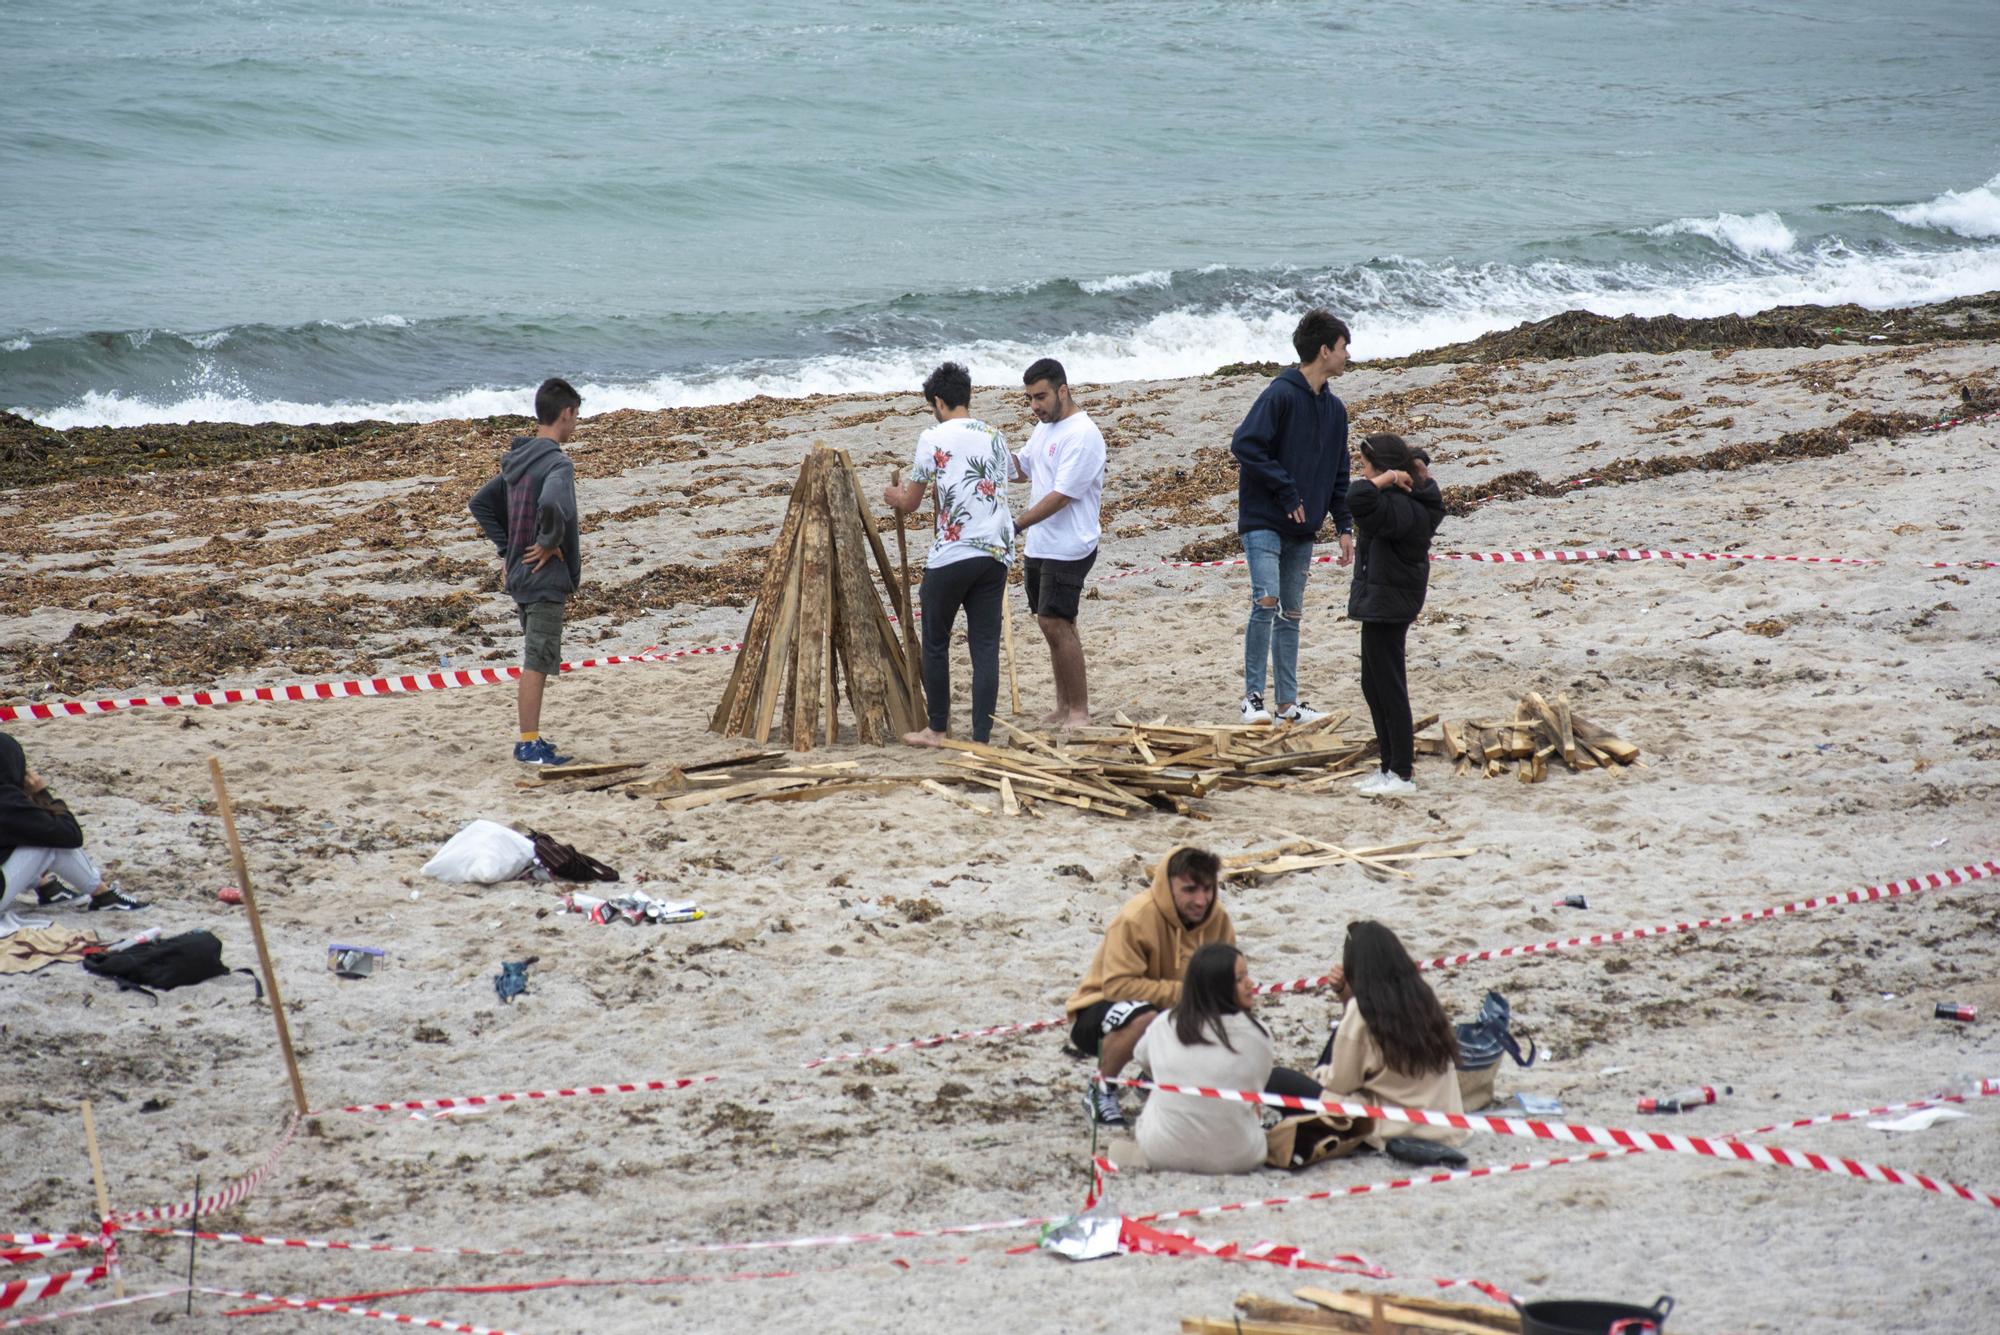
[{"x": 1806, "y": 729}]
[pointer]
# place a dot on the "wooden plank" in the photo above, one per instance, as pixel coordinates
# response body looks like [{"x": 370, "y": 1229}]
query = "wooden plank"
[
  {"x": 1565, "y": 731},
  {"x": 750, "y": 788},
  {"x": 1007, "y": 803},
  {"x": 908, "y": 710},
  {"x": 873, "y": 674},
  {"x": 1080, "y": 803},
  {"x": 815, "y": 622},
  {"x": 1454, "y": 740},
  {"x": 778, "y": 656},
  {"x": 733, "y": 708},
  {"x": 933, "y": 786},
  {"x": 833, "y": 788},
  {"x": 1415, "y": 1314},
  {"x": 1604, "y": 740},
  {"x": 1255, "y": 1307}
]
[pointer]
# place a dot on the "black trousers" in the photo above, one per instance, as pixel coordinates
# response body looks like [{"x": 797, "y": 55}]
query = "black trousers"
[
  {"x": 1385, "y": 685},
  {"x": 1297, "y": 1084},
  {"x": 978, "y": 585}
]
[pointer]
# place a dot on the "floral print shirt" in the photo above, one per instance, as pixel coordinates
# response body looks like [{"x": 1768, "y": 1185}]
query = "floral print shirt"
[{"x": 969, "y": 463}]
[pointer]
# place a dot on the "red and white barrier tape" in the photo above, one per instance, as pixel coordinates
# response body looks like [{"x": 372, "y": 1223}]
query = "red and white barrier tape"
[
  {"x": 1986, "y": 1089},
  {"x": 335, "y": 690},
  {"x": 43, "y": 1318},
  {"x": 525, "y": 1096},
  {"x": 347, "y": 1309},
  {"x": 21, "y": 1292},
  {"x": 659, "y": 1249},
  {"x": 27, "y": 1248},
  {"x": 1868, "y": 894},
  {"x": 1583, "y": 555},
  {"x": 1579, "y": 1134},
  {"x": 221, "y": 1200}
]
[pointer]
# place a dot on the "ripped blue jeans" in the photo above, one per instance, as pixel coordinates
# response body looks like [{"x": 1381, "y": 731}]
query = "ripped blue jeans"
[{"x": 1278, "y": 568}]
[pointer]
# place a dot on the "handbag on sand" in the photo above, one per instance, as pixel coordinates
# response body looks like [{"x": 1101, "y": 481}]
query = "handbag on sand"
[
  {"x": 565, "y": 863},
  {"x": 1481, "y": 1044},
  {"x": 1300, "y": 1142}
]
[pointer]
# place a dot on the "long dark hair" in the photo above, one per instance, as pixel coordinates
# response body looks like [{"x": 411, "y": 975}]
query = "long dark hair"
[
  {"x": 1208, "y": 995},
  {"x": 1401, "y": 1010}
]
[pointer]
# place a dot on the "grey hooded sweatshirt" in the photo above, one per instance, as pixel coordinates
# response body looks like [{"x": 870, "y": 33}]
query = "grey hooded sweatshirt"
[{"x": 533, "y": 502}]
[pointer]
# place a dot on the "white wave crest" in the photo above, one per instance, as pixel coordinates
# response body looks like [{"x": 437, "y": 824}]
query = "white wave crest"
[
  {"x": 209, "y": 341},
  {"x": 16, "y": 345},
  {"x": 1754, "y": 237},
  {"x": 1971, "y": 213},
  {"x": 1128, "y": 282},
  {"x": 373, "y": 322},
  {"x": 1393, "y": 311}
]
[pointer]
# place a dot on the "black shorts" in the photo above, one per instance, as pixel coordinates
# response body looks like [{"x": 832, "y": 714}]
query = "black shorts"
[
  {"x": 1055, "y": 588},
  {"x": 1093, "y": 1022}
]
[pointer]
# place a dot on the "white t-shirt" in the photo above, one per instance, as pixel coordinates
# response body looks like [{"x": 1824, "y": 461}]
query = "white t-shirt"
[
  {"x": 968, "y": 461},
  {"x": 1065, "y": 456}
]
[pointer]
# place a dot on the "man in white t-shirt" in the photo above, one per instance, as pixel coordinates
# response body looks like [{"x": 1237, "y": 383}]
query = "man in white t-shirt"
[
  {"x": 966, "y": 464},
  {"x": 1064, "y": 465}
]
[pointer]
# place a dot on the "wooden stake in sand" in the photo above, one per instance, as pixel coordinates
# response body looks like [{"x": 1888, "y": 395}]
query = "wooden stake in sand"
[
  {"x": 103, "y": 1193},
  {"x": 1007, "y": 636},
  {"x": 257, "y": 934},
  {"x": 819, "y": 617},
  {"x": 903, "y": 582}
]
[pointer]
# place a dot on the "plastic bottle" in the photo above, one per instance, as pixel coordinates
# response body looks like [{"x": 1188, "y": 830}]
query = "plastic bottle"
[
  {"x": 1683, "y": 1100},
  {"x": 150, "y": 934}
]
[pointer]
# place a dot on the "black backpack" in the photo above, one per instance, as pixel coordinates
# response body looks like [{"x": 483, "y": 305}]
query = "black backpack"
[{"x": 168, "y": 963}]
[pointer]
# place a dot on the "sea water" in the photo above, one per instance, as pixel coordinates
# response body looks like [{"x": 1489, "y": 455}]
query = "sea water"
[{"x": 292, "y": 210}]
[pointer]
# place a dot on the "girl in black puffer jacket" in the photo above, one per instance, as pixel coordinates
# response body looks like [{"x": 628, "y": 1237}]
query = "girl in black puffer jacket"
[{"x": 1396, "y": 508}]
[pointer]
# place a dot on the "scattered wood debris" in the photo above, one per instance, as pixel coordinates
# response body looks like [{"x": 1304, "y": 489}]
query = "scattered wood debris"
[
  {"x": 757, "y": 776},
  {"x": 1134, "y": 767},
  {"x": 1302, "y": 854},
  {"x": 818, "y": 612},
  {"x": 1538, "y": 732},
  {"x": 1369, "y": 1313}
]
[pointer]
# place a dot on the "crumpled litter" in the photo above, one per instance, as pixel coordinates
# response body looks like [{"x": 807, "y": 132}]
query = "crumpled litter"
[{"x": 1921, "y": 1120}]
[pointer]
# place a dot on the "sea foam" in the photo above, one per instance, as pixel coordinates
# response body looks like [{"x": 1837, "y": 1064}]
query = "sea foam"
[
  {"x": 1754, "y": 236},
  {"x": 1970, "y": 213}
]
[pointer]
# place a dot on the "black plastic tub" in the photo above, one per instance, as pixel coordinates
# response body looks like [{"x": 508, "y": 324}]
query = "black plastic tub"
[{"x": 1591, "y": 1318}]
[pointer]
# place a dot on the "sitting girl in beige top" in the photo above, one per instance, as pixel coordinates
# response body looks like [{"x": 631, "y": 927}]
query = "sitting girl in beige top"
[{"x": 1395, "y": 1046}]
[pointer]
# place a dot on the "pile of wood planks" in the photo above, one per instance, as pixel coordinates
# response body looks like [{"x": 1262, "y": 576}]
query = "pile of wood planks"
[
  {"x": 758, "y": 776},
  {"x": 819, "y": 621},
  {"x": 1137, "y": 767},
  {"x": 1354, "y": 1310},
  {"x": 1538, "y": 732}
]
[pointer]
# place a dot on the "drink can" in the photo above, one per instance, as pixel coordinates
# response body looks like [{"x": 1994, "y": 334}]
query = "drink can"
[
  {"x": 1952, "y": 1010},
  {"x": 1571, "y": 902},
  {"x": 149, "y": 935}
]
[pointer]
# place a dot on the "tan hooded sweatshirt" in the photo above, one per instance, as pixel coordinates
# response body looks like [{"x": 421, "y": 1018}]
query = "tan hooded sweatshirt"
[{"x": 1145, "y": 951}]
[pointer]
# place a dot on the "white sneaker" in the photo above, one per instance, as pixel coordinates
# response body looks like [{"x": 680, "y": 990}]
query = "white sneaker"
[
  {"x": 1372, "y": 782},
  {"x": 1392, "y": 785},
  {"x": 1300, "y": 712},
  {"x": 1254, "y": 711}
]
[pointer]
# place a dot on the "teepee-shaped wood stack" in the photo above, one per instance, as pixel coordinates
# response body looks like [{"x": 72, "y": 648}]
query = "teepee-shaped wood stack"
[{"x": 819, "y": 615}]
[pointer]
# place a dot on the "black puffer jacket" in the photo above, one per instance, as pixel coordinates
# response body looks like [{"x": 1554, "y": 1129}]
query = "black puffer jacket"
[
  {"x": 29, "y": 821},
  {"x": 1392, "y": 549}
]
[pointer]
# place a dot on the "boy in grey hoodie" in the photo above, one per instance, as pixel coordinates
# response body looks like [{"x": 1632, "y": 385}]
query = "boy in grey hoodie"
[{"x": 529, "y": 511}]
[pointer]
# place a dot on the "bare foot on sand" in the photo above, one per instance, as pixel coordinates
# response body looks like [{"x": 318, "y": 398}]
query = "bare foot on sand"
[
  {"x": 1067, "y": 722},
  {"x": 1053, "y": 719},
  {"x": 924, "y": 737}
]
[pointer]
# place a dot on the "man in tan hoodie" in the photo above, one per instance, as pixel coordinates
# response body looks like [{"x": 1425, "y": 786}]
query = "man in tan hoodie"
[{"x": 1137, "y": 970}]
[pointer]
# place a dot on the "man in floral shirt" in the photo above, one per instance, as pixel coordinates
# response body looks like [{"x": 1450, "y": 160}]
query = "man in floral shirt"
[{"x": 966, "y": 463}]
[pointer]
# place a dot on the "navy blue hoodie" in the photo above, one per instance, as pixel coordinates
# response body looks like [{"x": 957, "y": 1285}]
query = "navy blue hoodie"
[{"x": 1292, "y": 450}]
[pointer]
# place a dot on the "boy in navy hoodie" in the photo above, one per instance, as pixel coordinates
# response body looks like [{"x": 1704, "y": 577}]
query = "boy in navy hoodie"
[
  {"x": 529, "y": 511},
  {"x": 1291, "y": 455}
]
